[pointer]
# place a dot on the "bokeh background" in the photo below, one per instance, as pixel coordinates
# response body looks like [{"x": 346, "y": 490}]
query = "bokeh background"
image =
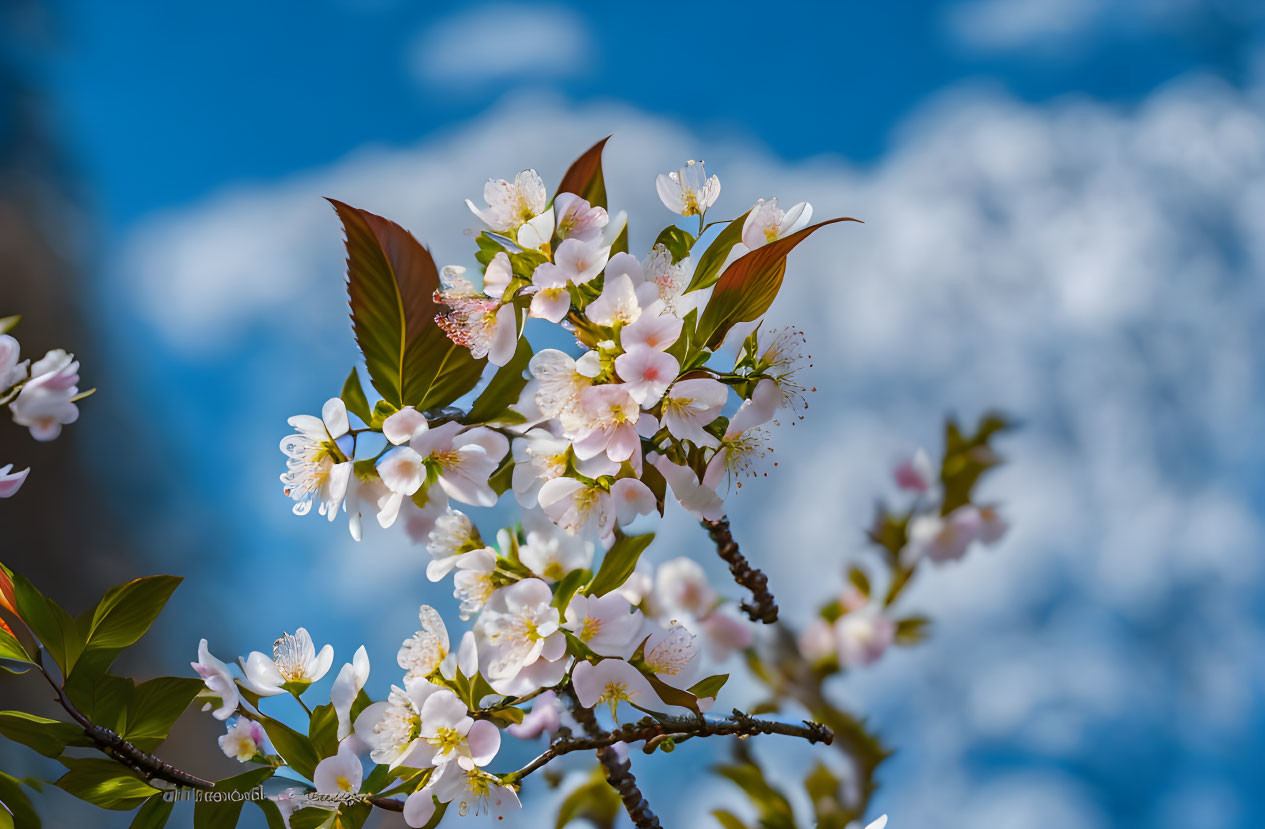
[{"x": 1065, "y": 218}]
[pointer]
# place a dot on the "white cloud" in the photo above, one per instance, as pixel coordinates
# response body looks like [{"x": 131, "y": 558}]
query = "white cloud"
[
  {"x": 502, "y": 44},
  {"x": 1097, "y": 272}
]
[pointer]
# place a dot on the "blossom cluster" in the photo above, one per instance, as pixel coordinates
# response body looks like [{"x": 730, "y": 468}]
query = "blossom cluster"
[
  {"x": 41, "y": 396},
  {"x": 593, "y": 437},
  {"x": 633, "y": 647}
]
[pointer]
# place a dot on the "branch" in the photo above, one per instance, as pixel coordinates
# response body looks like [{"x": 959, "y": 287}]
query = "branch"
[
  {"x": 146, "y": 765},
  {"x": 763, "y": 607},
  {"x": 618, "y": 772},
  {"x": 654, "y": 730}
]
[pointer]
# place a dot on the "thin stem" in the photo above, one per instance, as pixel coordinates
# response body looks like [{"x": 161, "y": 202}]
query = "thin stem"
[{"x": 762, "y": 607}]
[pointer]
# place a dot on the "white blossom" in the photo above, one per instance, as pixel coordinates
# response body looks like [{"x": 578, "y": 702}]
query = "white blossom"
[
  {"x": 511, "y": 204},
  {"x": 688, "y": 191},
  {"x": 44, "y": 404},
  {"x": 453, "y": 535},
  {"x": 550, "y": 552},
  {"x": 767, "y": 223},
  {"x": 243, "y": 740},
  {"x": 681, "y": 588},
  {"x": 474, "y": 791},
  {"x": 12, "y": 371},
  {"x": 347, "y": 686},
  {"x": 863, "y": 636},
  {"x": 422, "y": 653},
  {"x": 319, "y": 466},
  {"x": 474, "y": 320},
  {"x": 577, "y": 219},
  {"x": 689, "y": 405},
  {"x": 218, "y": 681},
  {"x": 518, "y": 627},
  {"x": 341, "y": 774},
  {"x": 744, "y": 442},
  {"x": 673, "y": 655},
  {"x": 452, "y": 734},
  {"x": 392, "y": 728},
  {"x": 608, "y": 624},
  {"x": 545, "y": 717},
  {"x": 646, "y": 372},
  {"x": 473, "y": 583},
  {"x": 612, "y": 681},
  {"x": 294, "y": 662}
]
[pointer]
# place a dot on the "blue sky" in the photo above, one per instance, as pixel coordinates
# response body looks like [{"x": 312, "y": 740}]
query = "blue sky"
[{"x": 1062, "y": 201}]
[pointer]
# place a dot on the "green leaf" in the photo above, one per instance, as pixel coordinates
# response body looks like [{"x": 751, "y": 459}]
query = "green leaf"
[
  {"x": 504, "y": 388},
  {"x": 102, "y": 700},
  {"x": 748, "y": 286},
  {"x": 709, "y": 687},
  {"x": 594, "y": 801},
  {"x": 103, "y": 783},
  {"x": 584, "y": 176},
  {"x": 126, "y": 612},
  {"x": 728, "y": 820},
  {"x": 7, "y": 324},
  {"x": 912, "y": 630},
  {"x": 966, "y": 459},
  {"x": 311, "y": 817},
  {"x": 677, "y": 241},
  {"x": 155, "y": 706},
  {"x": 272, "y": 814},
  {"x": 15, "y": 800},
  {"x": 618, "y": 563},
  {"x": 293, "y": 747},
  {"x": 154, "y": 814},
  {"x": 323, "y": 730},
  {"x": 212, "y": 813},
  {"x": 56, "y": 629},
  {"x": 391, "y": 282},
  {"x": 48, "y": 737},
  {"x": 772, "y": 806},
  {"x": 10, "y": 647},
  {"x": 567, "y": 588},
  {"x": 707, "y": 271},
  {"x": 354, "y": 397}
]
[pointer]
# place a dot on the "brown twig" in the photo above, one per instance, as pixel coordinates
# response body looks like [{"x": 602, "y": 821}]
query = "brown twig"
[
  {"x": 618, "y": 772},
  {"x": 762, "y": 607},
  {"x": 654, "y": 730}
]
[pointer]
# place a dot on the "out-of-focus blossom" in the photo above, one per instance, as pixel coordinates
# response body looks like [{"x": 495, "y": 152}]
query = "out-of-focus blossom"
[
  {"x": 319, "y": 465},
  {"x": 511, "y": 204},
  {"x": 942, "y": 538},
  {"x": 725, "y": 632},
  {"x": 688, "y": 191},
  {"x": 863, "y": 636},
  {"x": 544, "y": 718},
  {"x": 682, "y": 588},
  {"x": 294, "y": 662},
  {"x": 915, "y": 473},
  {"x": 243, "y": 740}
]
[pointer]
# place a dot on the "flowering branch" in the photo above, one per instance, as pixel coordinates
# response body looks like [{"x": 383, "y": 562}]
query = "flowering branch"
[
  {"x": 655, "y": 731},
  {"x": 763, "y": 607}
]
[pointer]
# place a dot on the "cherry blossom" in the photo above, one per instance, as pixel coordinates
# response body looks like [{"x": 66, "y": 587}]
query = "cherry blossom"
[
  {"x": 392, "y": 728},
  {"x": 768, "y": 223},
  {"x": 612, "y": 681},
  {"x": 688, "y": 191},
  {"x": 545, "y": 717},
  {"x": 219, "y": 682},
  {"x": 476, "y": 321},
  {"x": 608, "y": 624},
  {"x": 518, "y": 627},
  {"x": 689, "y": 405},
  {"x": 743, "y": 443},
  {"x": 422, "y": 653},
  {"x": 474, "y": 791},
  {"x": 915, "y": 473},
  {"x": 451, "y": 734},
  {"x": 577, "y": 219},
  {"x": 295, "y": 664},
  {"x": 347, "y": 685},
  {"x": 340, "y": 774},
  {"x": 511, "y": 204},
  {"x": 45, "y": 402},
  {"x": 319, "y": 463},
  {"x": 243, "y": 740}
]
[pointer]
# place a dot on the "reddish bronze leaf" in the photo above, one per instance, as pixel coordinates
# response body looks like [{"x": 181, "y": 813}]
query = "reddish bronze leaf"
[{"x": 584, "y": 176}]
